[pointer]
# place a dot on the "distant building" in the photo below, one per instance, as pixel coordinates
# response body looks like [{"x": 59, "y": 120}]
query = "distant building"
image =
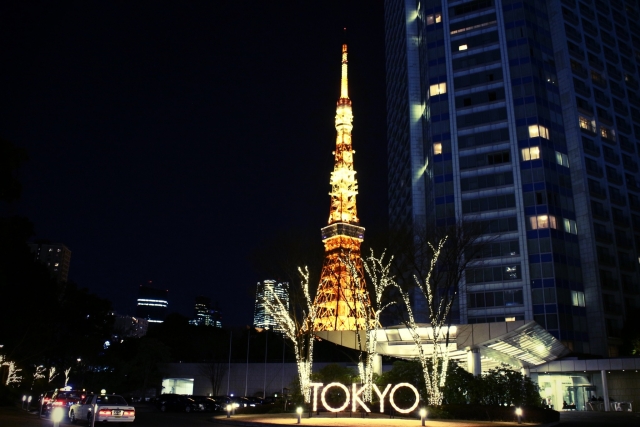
[
  {"x": 205, "y": 314},
  {"x": 129, "y": 326},
  {"x": 55, "y": 256},
  {"x": 268, "y": 290},
  {"x": 152, "y": 304}
]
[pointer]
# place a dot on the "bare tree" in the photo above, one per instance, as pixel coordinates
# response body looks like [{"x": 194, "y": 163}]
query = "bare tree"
[
  {"x": 215, "y": 372},
  {"x": 438, "y": 261},
  {"x": 297, "y": 325},
  {"x": 380, "y": 279}
]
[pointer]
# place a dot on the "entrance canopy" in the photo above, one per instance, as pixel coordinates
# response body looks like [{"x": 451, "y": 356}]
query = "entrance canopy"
[{"x": 518, "y": 343}]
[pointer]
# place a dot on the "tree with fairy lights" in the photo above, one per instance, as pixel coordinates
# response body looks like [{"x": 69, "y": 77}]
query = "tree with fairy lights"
[
  {"x": 438, "y": 261},
  {"x": 380, "y": 279},
  {"x": 297, "y": 327}
]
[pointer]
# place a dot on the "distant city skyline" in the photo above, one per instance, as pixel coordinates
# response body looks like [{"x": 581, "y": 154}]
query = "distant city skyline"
[{"x": 168, "y": 140}]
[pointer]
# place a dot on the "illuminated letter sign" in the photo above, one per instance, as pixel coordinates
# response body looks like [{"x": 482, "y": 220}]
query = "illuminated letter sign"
[
  {"x": 415, "y": 404},
  {"x": 315, "y": 394},
  {"x": 346, "y": 401},
  {"x": 381, "y": 395},
  {"x": 355, "y": 399}
]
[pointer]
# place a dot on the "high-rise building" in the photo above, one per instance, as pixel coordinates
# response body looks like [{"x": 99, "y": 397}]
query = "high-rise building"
[
  {"x": 125, "y": 326},
  {"x": 205, "y": 314},
  {"x": 152, "y": 304},
  {"x": 268, "y": 290},
  {"x": 342, "y": 301},
  {"x": 55, "y": 256},
  {"x": 524, "y": 116}
]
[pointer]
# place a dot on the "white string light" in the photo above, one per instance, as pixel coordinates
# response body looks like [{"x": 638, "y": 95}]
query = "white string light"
[{"x": 297, "y": 332}]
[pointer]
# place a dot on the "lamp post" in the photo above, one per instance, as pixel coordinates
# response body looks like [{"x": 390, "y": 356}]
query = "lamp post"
[
  {"x": 229, "y": 369},
  {"x": 228, "y": 411},
  {"x": 423, "y": 415},
  {"x": 266, "y": 349},
  {"x": 56, "y": 416},
  {"x": 29, "y": 402},
  {"x": 24, "y": 399},
  {"x": 519, "y": 415},
  {"x": 299, "y": 412}
]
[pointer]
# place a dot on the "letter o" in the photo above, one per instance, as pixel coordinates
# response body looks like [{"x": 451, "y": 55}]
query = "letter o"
[
  {"x": 415, "y": 391},
  {"x": 346, "y": 402}
]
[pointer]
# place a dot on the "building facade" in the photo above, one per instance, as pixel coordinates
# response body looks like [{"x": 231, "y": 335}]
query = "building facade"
[
  {"x": 523, "y": 116},
  {"x": 56, "y": 256},
  {"x": 152, "y": 304},
  {"x": 205, "y": 314},
  {"x": 268, "y": 290}
]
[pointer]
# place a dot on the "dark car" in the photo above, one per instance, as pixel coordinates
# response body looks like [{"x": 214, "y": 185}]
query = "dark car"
[
  {"x": 65, "y": 397},
  {"x": 177, "y": 402},
  {"x": 45, "y": 403},
  {"x": 208, "y": 403}
]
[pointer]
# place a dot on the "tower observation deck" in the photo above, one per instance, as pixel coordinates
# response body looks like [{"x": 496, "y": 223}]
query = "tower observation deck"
[{"x": 342, "y": 301}]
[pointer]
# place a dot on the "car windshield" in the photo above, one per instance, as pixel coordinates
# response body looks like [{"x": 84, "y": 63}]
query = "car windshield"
[{"x": 111, "y": 400}]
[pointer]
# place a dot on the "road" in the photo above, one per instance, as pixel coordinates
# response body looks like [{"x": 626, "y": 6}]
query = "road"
[
  {"x": 608, "y": 419},
  {"x": 146, "y": 416}
]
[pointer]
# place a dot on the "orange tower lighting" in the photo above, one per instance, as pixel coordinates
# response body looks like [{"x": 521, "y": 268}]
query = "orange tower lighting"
[{"x": 342, "y": 301}]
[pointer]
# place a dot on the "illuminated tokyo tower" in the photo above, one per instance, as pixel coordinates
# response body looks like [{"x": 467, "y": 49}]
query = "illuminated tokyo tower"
[{"x": 342, "y": 301}]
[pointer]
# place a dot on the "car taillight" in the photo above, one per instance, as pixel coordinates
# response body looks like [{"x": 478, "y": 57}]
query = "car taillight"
[
  {"x": 129, "y": 413},
  {"x": 104, "y": 412}
]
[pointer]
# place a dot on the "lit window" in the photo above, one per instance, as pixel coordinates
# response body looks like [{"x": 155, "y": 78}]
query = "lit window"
[
  {"x": 437, "y": 148},
  {"x": 542, "y": 221},
  {"x": 434, "y": 19},
  {"x": 462, "y": 47},
  {"x": 587, "y": 123},
  {"x": 570, "y": 226},
  {"x": 577, "y": 298},
  {"x": 538, "y": 130},
  {"x": 510, "y": 319},
  {"x": 531, "y": 153},
  {"x": 562, "y": 159},
  {"x": 607, "y": 133},
  {"x": 438, "y": 89}
]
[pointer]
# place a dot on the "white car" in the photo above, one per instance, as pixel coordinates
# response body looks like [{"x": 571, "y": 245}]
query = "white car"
[{"x": 110, "y": 408}]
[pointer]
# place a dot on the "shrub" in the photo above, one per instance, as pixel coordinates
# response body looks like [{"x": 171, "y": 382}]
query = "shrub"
[{"x": 492, "y": 413}]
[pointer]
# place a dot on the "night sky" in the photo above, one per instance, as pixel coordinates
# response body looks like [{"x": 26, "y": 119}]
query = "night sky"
[{"x": 167, "y": 139}]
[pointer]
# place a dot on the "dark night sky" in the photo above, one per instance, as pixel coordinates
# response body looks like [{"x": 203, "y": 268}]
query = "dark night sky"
[{"x": 168, "y": 138}]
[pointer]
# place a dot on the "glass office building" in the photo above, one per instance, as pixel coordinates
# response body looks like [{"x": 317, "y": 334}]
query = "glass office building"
[{"x": 524, "y": 116}]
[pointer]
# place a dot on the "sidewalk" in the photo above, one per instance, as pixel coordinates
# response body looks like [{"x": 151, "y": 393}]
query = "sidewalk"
[{"x": 329, "y": 420}]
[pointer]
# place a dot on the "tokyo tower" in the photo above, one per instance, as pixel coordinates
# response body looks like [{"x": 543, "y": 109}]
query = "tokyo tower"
[{"x": 342, "y": 302}]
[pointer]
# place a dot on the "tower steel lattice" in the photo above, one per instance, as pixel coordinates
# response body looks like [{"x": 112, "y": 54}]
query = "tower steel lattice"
[{"x": 342, "y": 301}]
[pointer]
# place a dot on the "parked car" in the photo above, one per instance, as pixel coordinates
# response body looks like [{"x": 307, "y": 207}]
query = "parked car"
[
  {"x": 177, "y": 402},
  {"x": 107, "y": 408},
  {"x": 208, "y": 403}
]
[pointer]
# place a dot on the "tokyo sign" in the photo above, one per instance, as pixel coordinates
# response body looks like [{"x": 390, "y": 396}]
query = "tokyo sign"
[{"x": 353, "y": 397}]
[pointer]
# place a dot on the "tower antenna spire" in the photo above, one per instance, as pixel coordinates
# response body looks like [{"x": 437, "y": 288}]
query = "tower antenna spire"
[{"x": 342, "y": 301}]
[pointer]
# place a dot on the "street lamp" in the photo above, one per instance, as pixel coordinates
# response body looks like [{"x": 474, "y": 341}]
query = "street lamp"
[
  {"x": 423, "y": 415},
  {"x": 56, "y": 416},
  {"x": 228, "y": 411},
  {"x": 29, "y": 402},
  {"x": 24, "y": 399},
  {"x": 299, "y": 412},
  {"x": 519, "y": 415}
]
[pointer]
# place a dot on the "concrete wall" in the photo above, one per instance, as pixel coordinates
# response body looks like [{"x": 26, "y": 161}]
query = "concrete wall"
[{"x": 241, "y": 379}]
